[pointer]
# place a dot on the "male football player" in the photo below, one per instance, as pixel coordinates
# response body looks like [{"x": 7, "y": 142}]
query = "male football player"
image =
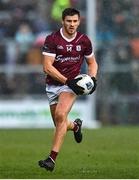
[{"x": 64, "y": 52}]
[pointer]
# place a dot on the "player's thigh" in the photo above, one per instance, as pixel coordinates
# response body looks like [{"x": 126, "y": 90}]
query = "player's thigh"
[{"x": 65, "y": 102}]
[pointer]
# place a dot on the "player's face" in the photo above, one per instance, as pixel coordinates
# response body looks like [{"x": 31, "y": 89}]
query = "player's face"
[{"x": 70, "y": 24}]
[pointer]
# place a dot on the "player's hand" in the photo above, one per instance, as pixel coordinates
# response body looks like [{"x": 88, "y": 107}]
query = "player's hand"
[
  {"x": 73, "y": 85},
  {"x": 95, "y": 85}
]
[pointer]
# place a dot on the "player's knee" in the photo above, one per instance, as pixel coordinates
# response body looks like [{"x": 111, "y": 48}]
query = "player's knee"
[{"x": 60, "y": 117}]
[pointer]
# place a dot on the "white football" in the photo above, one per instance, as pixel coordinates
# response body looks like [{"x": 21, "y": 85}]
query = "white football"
[{"x": 86, "y": 82}]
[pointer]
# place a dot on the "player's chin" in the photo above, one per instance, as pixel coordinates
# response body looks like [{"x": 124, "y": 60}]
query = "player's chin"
[{"x": 71, "y": 31}]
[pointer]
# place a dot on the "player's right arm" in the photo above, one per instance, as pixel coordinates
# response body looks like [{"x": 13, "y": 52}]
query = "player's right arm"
[{"x": 51, "y": 70}]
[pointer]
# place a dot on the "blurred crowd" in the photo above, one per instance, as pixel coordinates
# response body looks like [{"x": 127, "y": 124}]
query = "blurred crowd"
[
  {"x": 118, "y": 55},
  {"x": 21, "y": 26},
  {"x": 118, "y": 41},
  {"x": 117, "y": 28}
]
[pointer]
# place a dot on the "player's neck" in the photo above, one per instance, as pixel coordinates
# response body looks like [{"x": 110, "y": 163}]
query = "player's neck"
[{"x": 68, "y": 36}]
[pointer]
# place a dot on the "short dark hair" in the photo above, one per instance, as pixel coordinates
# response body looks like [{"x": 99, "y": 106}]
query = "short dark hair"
[{"x": 70, "y": 12}]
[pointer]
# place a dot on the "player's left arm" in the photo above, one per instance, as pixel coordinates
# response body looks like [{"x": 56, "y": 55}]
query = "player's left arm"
[
  {"x": 92, "y": 66},
  {"x": 92, "y": 70}
]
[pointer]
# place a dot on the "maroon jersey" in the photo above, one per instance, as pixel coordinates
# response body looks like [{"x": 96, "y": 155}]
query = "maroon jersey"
[{"x": 69, "y": 53}]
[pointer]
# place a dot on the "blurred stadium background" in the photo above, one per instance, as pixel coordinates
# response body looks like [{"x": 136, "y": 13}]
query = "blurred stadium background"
[{"x": 23, "y": 27}]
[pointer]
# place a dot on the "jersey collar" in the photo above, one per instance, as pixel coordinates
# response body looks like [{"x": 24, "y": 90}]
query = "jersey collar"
[{"x": 68, "y": 40}]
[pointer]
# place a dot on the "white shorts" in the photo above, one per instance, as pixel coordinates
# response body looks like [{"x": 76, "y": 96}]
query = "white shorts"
[{"x": 53, "y": 92}]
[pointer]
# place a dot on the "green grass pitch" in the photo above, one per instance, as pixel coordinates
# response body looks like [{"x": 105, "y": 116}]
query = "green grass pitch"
[{"x": 105, "y": 153}]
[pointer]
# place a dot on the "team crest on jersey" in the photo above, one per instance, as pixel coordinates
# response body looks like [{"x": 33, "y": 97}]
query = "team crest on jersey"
[
  {"x": 78, "y": 48},
  {"x": 69, "y": 47}
]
